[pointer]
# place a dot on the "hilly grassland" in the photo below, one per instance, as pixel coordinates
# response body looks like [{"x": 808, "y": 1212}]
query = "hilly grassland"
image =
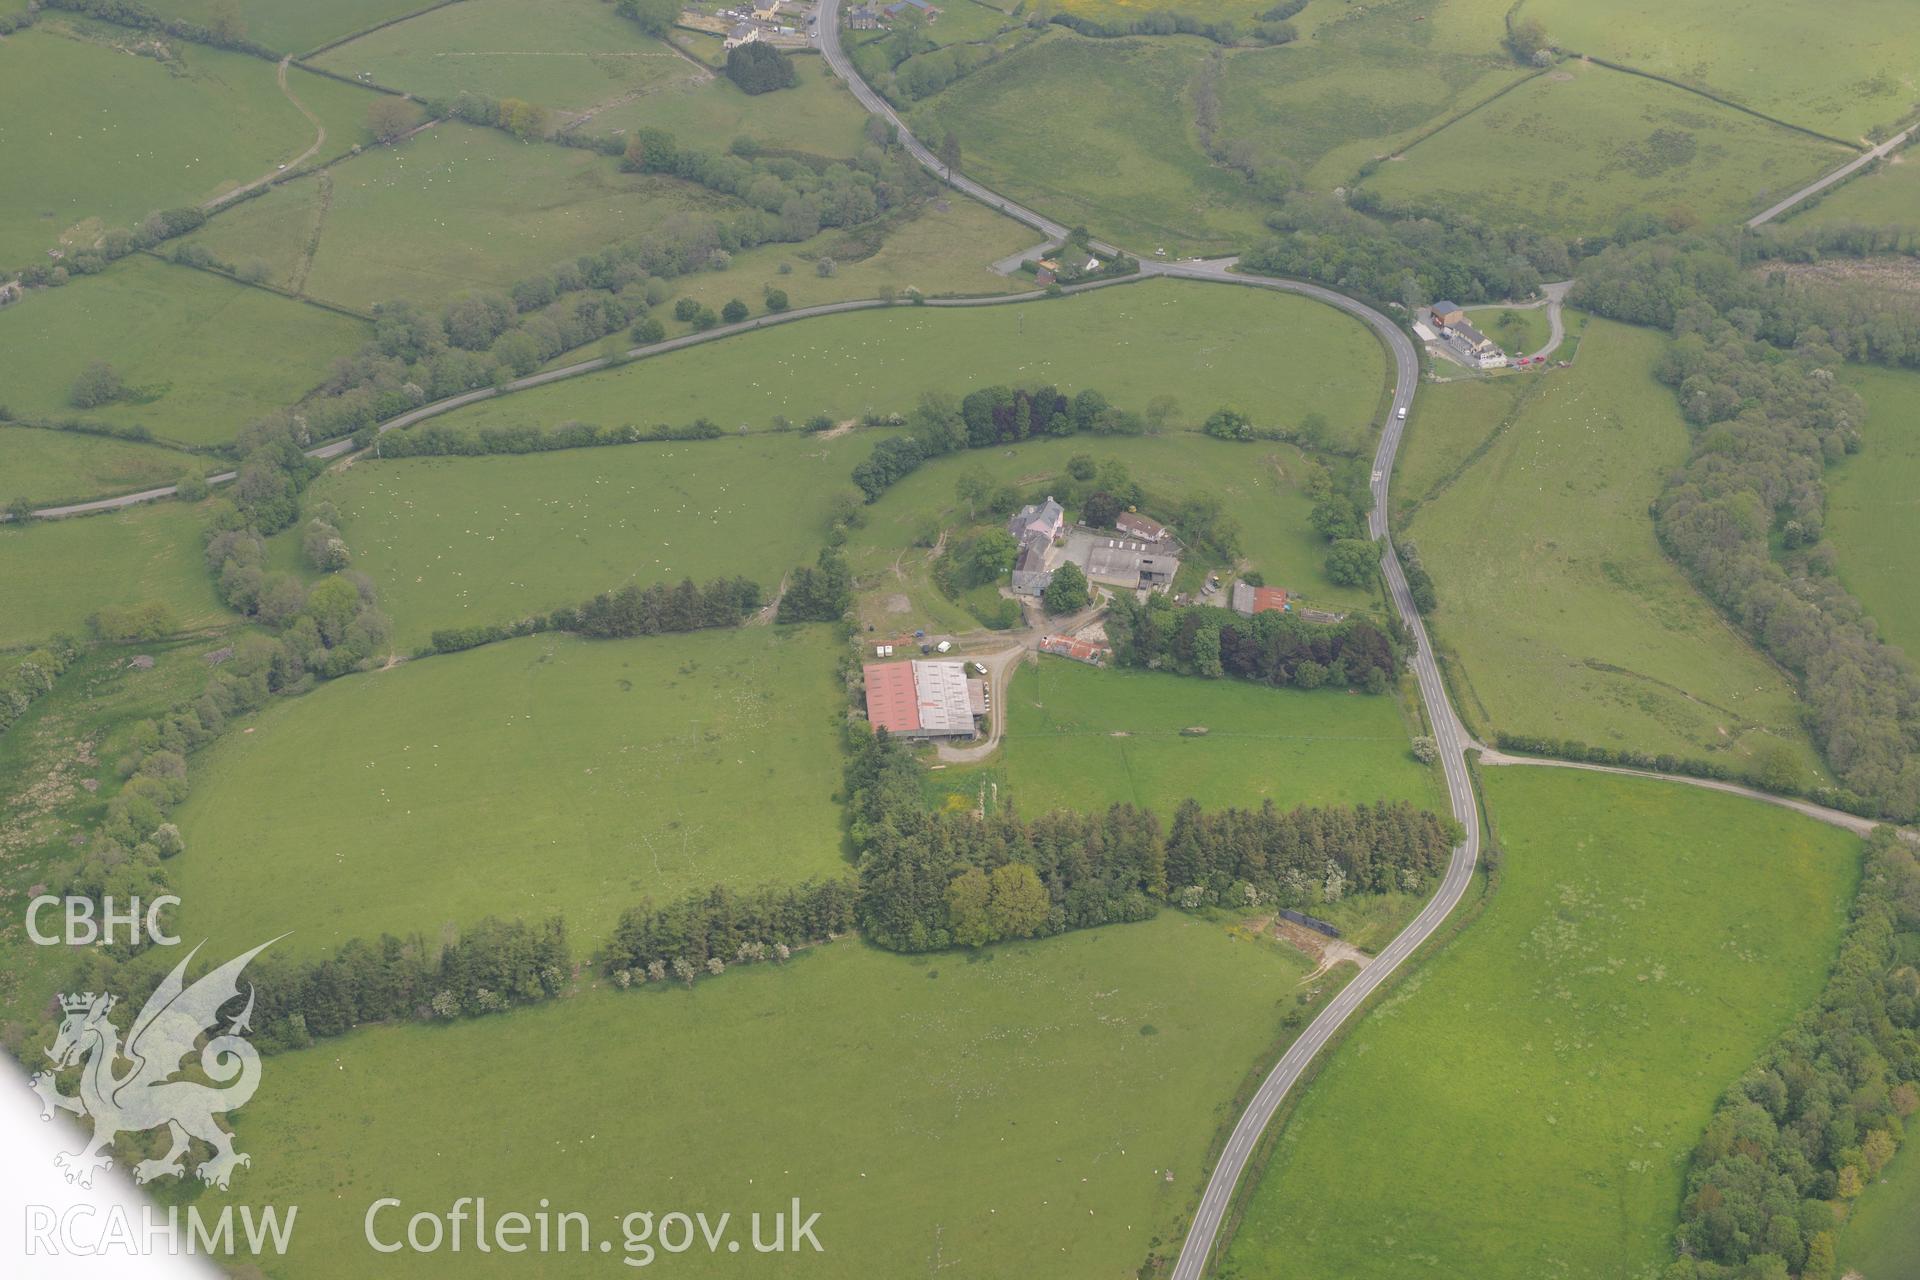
[
  {"x": 1559, "y": 614},
  {"x": 200, "y": 356},
  {"x": 1575, "y": 149},
  {"x": 1525, "y": 1102},
  {"x": 53, "y": 574},
  {"x": 1872, "y": 509},
  {"x": 51, "y": 466},
  {"x": 1039, "y": 1108},
  {"x": 539, "y": 776}
]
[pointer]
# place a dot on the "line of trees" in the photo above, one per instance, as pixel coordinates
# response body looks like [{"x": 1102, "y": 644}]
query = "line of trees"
[
  {"x": 440, "y": 440},
  {"x": 986, "y": 418},
  {"x": 1813, "y": 1123},
  {"x": 1753, "y": 365},
  {"x": 1273, "y": 648},
  {"x": 934, "y": 880},
  {"x": 633, "y": 610},
  {"x": 707, "y": 930}
]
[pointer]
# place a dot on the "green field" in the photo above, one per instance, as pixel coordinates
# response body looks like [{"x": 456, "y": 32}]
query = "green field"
[
  {"x": 100, "y": 138},
  {"x": 1260, "y": 484},
  {"x": 453, "y": 208},
  {"x": 55, "y": 466},
  {"x": 295, "y": 26},
  {"x": 1524, "y": 1105},
  {"x": 936, "y": 251},
  {"x": 457, "y": 541},
  {"x": 1575, "y": 149},
  {"x": 1872, "y": 508},
  {"x": 1519, "y": 331},
  {"x": 537, "y": 776},
  {"x": 570, "y": 55},
  {"x": 1881, "y": 1241},
  {"x": 1042, "y": 1109},
  {"x": 201, "y": 356},
  {"x": 818, "y": 115},
  {"x": 1559, "y": 614},
  {"x": 1083, "y": 738},
  {"x": 1840, "y": 78},
  {"x": 54, "y": 573},
  {"x": 1364, "y": 85},
  {"x": 1278, "y": 357},
  {"x": 1098, "y": 132},
  {"x": 1889, "y": 196}
]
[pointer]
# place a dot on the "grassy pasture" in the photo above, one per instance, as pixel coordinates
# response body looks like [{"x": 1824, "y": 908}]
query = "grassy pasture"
[
  {"x": 1559, "y": 614},
  {"x": 52, "y": 466},
  {"x": 1888, "y": 197},
  {"x": 1525, "y": 1103},
  {"x": 1278, "y": 357},
  {"x": 937, "y": 252},
  {"x": 937, "y": 1111},
  {"x": 1519, "y": 331},
  {"x": 1362, "y": 86},
  {"x": 454, "y": 208},
  {"x": 98, "y": 138},
  {"x": 527, "y": 778},
  {"x": 1575, "y": 149},
  {"x": 295, "y": 26},
  {"x": 1260, "y": 484},
  {"x": 1872, "y": 510},
  {"x": 54, "y": 573},
  {"x": 1083, "y": 738},
  {"x": 818, "y": 115},
  {"x": 1840, "y": 78},
  {"x": 459, "y": 541},
  {"x": 201, "y": 356},
  {"x": 565, "y": 54},
  {"x": 1098, "y": 132},
  {"x": 1881, "y": 1240}
]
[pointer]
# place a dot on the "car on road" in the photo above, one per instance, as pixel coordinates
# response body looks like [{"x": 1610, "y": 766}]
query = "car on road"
[{"x": 1403, "y": 415}]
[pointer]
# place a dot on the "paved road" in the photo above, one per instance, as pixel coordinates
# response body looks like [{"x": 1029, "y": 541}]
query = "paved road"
[
  {"x": 1841, "y": 174},
  {"x": 1448, "y": 732}
]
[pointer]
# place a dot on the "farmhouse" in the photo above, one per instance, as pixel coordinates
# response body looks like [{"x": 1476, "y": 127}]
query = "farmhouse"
[
  {"x": 1045, "y": 518},
  {"x": 1249, "y": 600},
  {"x": 1446, "y": 313},
  {"x": 742, "y": 33},
  {"x": 1138, "y": 526},
  {"x": 1474, "y": 346},
  {"x": 923, "y": 698}
]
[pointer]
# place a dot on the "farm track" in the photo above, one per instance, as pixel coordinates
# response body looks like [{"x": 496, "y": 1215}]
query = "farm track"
[
  {"x": 1450, "y": 734},
  {"x": 320, "y": 140}
]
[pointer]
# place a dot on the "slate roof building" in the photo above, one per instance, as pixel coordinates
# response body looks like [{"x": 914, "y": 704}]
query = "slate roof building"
[
  {"x": 1030, "y": 572},
  {"x": 1047, "y": 519},
  {"x": 1135, "y": 525}
]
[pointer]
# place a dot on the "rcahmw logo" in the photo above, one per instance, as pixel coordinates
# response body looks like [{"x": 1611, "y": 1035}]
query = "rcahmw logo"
[{"x": 146, "y": 1096}]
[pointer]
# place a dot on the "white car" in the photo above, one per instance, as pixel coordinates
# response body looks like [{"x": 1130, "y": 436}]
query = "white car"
[{"x": 1403, "y": 415}]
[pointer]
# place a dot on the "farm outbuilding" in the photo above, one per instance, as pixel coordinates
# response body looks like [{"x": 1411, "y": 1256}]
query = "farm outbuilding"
[{"x": 922, "y": 698}]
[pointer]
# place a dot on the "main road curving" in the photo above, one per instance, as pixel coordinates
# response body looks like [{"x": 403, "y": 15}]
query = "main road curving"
[{"x": 1448, "y": 733}]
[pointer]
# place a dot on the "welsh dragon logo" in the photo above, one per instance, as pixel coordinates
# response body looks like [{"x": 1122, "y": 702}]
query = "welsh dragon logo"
[{"x": 145, "y": 1096}]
